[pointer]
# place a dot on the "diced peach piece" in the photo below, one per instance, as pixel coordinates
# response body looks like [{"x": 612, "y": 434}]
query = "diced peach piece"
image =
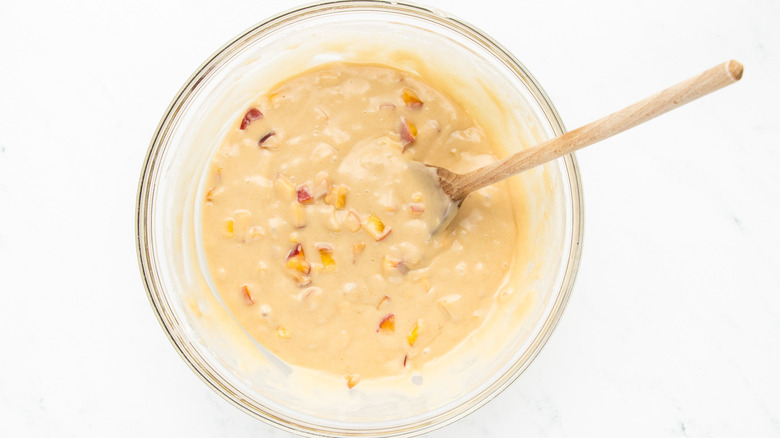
[
  {"x": 411, "y": 100},
  {"x": 411, "y": 338},
  {"x": 392, "y": 264},
  {"x": 299, "y": 215},
  {"x": 352, "y": 380},
  {"x": 408, "y": 132},
  {"x": 330, "y": 197},
  {"x": 304, "y": 195},
  {"x": 306, "y": 293},
  {"x": 416, "y": 209},
  {"x": 387, "y": 325},
  {"x": 282, "y": 332},
  {"x": 352, "y": 221},
  {"x": 268, "y": 141},
  {"x": 357, "y": 249},
  {"x": 337, "y": 197},
  {"x": 327, "y": 260},
  {"x": 447, "y": 305},
  {"x": 321, "y": 185},
  {"x": 326, "y": 251},
  {"x": 296, "y": 260},
  {"x": 256, "y": 232},
  {"x": 229, "y": 227},
  {"x": 376, "y": 228},
  {"x": 210, "y": 194},
  {"x": 332, "y": 221},
  {"x": 296, "y": 252},
  {"x": 326, "y": 255},
  {"x": 299, "y": 264},
  {"x": 382, "y": 301},
  {"x": 300, "y": 279},
  {"x": 283, "y": 186},
  {"x": 250, "y": 116},
  {"x": 247, "y": 294},
  {"x": 341, "y": 197}
]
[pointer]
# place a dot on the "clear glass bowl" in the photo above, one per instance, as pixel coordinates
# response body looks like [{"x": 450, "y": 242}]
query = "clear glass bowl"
[{"x": 483, "y": 75}]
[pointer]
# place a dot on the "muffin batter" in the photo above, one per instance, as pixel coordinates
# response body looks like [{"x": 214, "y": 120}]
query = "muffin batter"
[{"x": 319, "y": 241}]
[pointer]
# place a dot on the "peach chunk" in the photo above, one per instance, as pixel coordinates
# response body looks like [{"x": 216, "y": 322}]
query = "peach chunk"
[
  {"x": 247, "y": 294},
  {"x": 304, "y": 195},
  {"x": 326, "y": 255},
  {"x": 357, "y": 249},
  {"x": 411, "y": 100},
  {"x": 229, "y": 227},
  {"x": 387, "y": 325},
  {"x": 250, "y": 116},
  {"x": 382, "y": 301},
  {"x": 210, "y": 194},
  {"x": 296, "y": 260},
  {"x": 376, "y": 228},
  {"x": 411, "y": 338},
  {"x": 283, "y": 186},
  {"x": 352, "y": 380},
  {"x": 352, "y": 221},
  {"x": 408, "y": 132},
  {"x": 337, "y": 197},
  {"x": 416, "y": 209},
  {"x": 392, "y": 264},
  {"x": 267, "y": 142},
  {"x": 321, "y": 185},
  {"x": 256, "y": 232},
  {"x": 299, "y": 215}
]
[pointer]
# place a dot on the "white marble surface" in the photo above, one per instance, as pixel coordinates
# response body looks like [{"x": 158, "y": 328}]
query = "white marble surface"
[{"x": 674, "y": 325}]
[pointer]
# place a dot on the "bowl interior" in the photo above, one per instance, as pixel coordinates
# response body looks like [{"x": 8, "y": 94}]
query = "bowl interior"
[{"x": 476, "y": 71}]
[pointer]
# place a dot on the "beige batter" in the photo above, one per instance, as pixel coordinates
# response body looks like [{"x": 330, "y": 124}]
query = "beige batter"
[{"x": 319, "y": 241}]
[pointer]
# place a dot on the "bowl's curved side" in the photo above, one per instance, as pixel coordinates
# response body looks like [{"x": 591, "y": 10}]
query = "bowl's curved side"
[{"x": 148, "y": 230}]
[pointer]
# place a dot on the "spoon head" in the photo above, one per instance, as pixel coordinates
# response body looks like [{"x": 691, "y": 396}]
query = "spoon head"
[{"x": 442, "y": 207}]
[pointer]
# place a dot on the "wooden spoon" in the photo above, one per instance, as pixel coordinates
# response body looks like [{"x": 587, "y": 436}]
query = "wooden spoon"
[{"x": 458, "y": 186}]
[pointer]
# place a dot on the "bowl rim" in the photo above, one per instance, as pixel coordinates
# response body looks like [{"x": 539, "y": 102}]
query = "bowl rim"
[{"x": 145, "y": 206}]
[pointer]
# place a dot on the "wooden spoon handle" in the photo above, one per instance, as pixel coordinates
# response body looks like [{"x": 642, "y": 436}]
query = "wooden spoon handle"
[{"x": 640, "y": 112}]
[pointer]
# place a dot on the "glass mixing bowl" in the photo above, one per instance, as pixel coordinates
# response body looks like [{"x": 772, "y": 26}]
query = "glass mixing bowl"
[{"x": 480, "y": 73}]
